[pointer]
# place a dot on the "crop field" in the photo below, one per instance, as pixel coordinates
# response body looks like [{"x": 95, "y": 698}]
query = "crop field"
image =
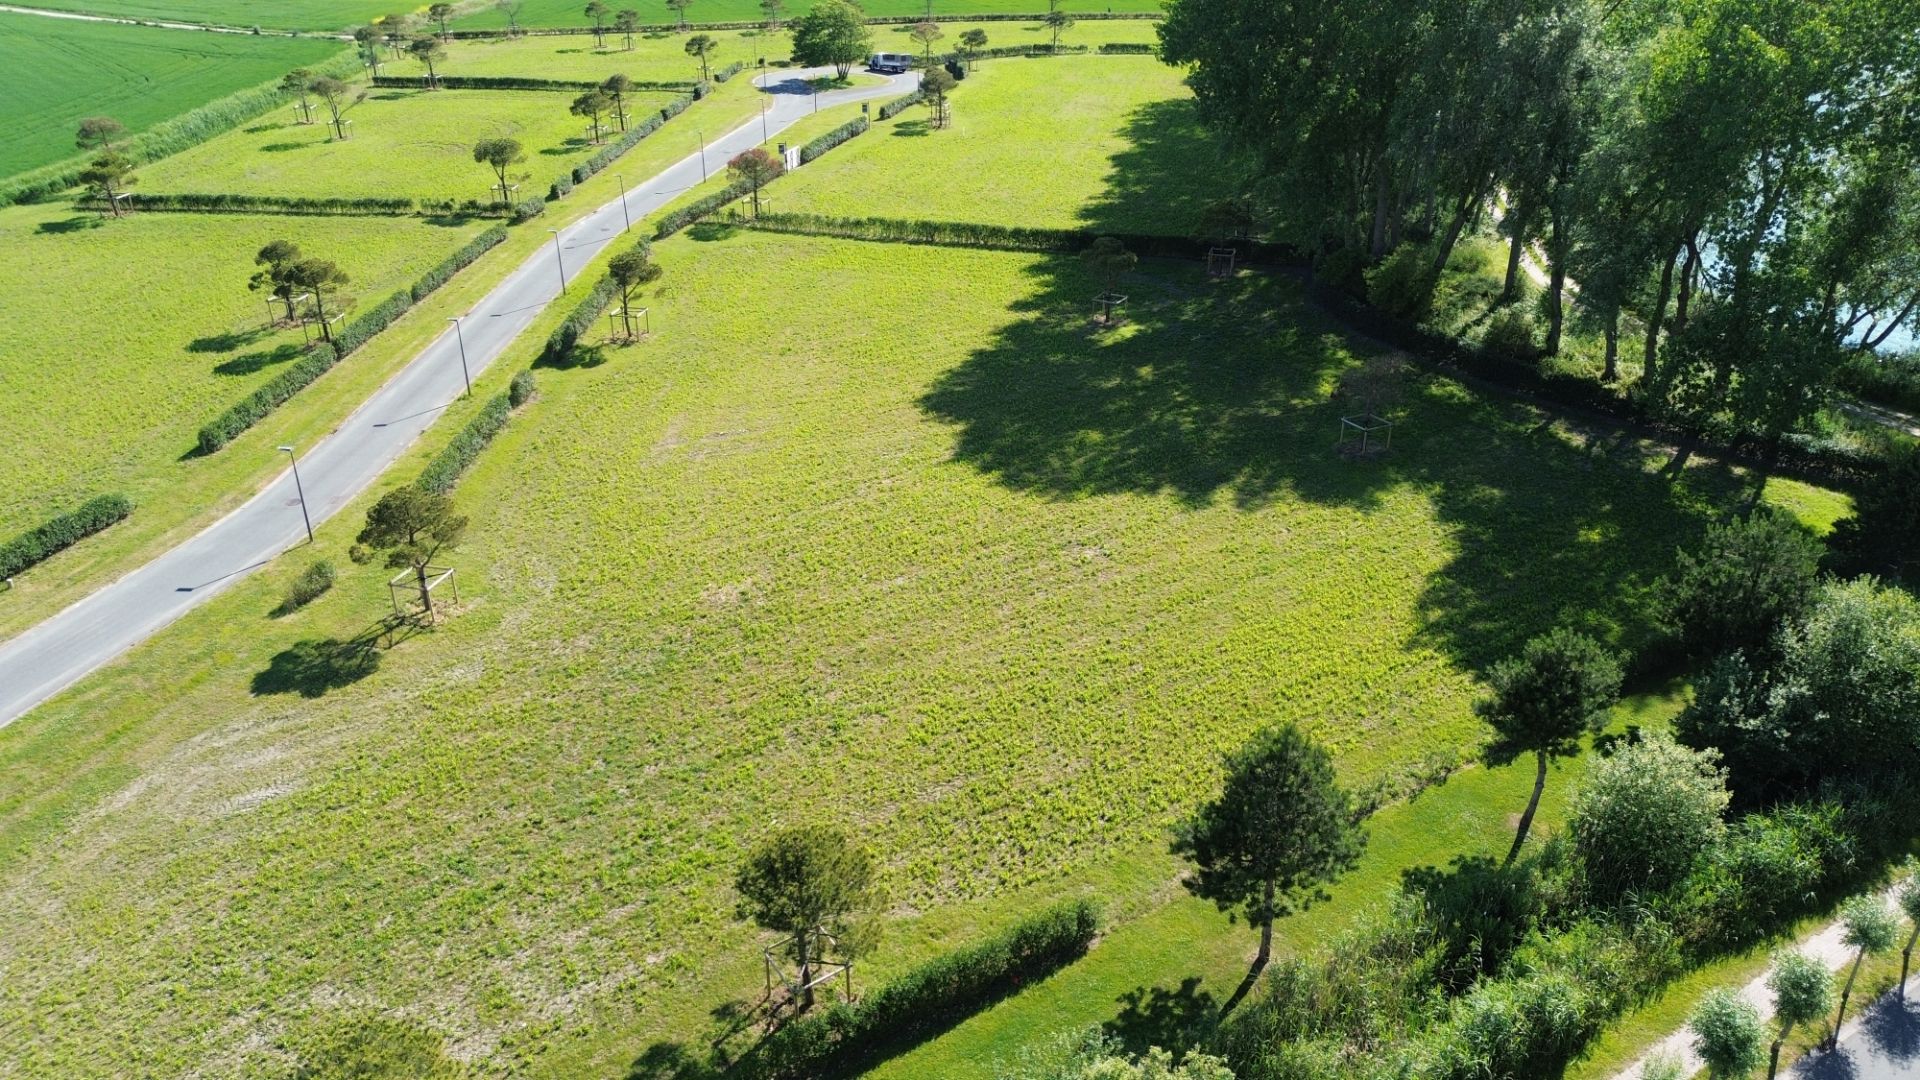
[
  {"x": 565, "y": 13},
  {"x": 417, "y": 143},
  {"x": 994, "y": 601},
  {"x": 663, "y": 57},
  {"x": 58, "y": 71},
  {"x": 123, "y": 337},
  {"x": 1101, "y": 142}
]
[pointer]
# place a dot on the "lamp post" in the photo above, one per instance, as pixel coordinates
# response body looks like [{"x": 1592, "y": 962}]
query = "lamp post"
[
  {"x": 624, "y": 216},
  {"x": 460, "y": 336},
  {"x": 702, "y": 136},
  {"x": 557, "y": 258},
  {"x": 301, "y": 491},
  {"x": 763, "y": 99}
]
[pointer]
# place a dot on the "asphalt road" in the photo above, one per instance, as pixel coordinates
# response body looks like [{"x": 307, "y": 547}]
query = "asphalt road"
[
  {"x": 57, "y": 652},
  {"x": 1881, "y": 1043}
]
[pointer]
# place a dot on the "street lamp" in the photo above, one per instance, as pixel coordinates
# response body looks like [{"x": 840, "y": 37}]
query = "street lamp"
[
  {"x": 763, "y": 99},
  {"x": 461, "y": 336},
  {"x": 702, "y": 136},
  {"x": 558, "y": 259},
  {"x": 301, "y": 491},
  {"x": 624, "y": 216}
]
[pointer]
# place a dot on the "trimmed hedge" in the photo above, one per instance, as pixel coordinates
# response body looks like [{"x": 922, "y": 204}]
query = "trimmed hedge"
[
  {"x": 217, "y": 202},
  {"x": 515, "y": 82},
  {"x": 721, "y": 75},
  {"x": 1127, "y": 48},
  {"x": 320, "y": 358},
  {"x": 565, "y": 337},
  {"x": 811, "y": 150},
  {"x": 901, "y": 104},
  {"x": 611, "y": 152},
  {"x": 444, "y": 470},
  {"x": 62, "y": 532},
  {"x": 760, "y": 24},
  {"x": 520, "y": 390},
  {"x": 1006, "y": 237},
  {"x": 929, "y": 999},
  {"x": 674, "y": 220},
  {"x": 528, "y": 209}
]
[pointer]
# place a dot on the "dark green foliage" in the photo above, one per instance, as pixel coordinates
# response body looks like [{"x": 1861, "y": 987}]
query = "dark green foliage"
[
  {"x": 520, "y": 390},
  {"x": 1556, "y": 692},
  {"x": 528, "y": 209},
  {"x": 899, "y": 105},
  {"x": 1125, "y": 48},
  {"x": 314, "y": 581},
  {"x": 1645, "y": 814},
  {"x": 565, "y": 337},
  {"x": 1888, "y": 380},
  {"x": 1003, "y": 237},
  {"x": 1479, "y": 911},
  {"x": 1883, "y": 535},
  {"x": 224, "y": 202},
  {"x": 928, "y": 999},
  {"x": 721, "y": 75},
  {"x": 1747, "y": 578},
  {"x": 560, "y": 188},
  {"x": 1402, "y": 284},
  {"x": 674, "y": 220},
  {"x": 1510, "y": 337},
  {"x": 456, "y": 262},
  {"x": 516, "y": 82},
  {"x": 813, "y": 149},
  {"x": 61, "y": 532},
  {"x": 444, "y": 470},
  {"x": 610, "y": 153},
  {"x": 1771, "y": 869}
]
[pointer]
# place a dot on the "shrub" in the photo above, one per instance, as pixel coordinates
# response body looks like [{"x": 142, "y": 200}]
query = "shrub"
[
  {"x": 1126, "y": 48},
  {"x": 1883, "y": 534},
  {"x": 1889, "y": 380},
  {"x": 308, "y": 587},
  {"x": 1402, "y": 284},
  {"x": 815, "y": 148},
  {"x": 1747, "y": 578},
  {"x": 674, "y": 220},
  {"x": 444, "y": 470},
  {"x": 1645, "y": 813},
  {"x": 1770, "y": 869},
  {"x": 1509, "y": 337},
  {"x": 528, "y": 209},
  {"x": 565, "y": 337},
  {"x": 721, "y": 75},
  {"x": 516, "y": 82},
  {"x": 231, "y": 203},
  {"x": 520, "y": 390},
  {"x": 999, "y": 237},
  {"x": 899, "y": 105},
  {"x": 930, "y": 998},
  {"x": 561, "y": 187},
  {"x": 61, "y": 532}
]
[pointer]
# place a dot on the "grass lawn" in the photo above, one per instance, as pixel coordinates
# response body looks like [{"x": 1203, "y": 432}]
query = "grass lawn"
[
  {"x": 996, "y": 601},
  {"x": 59, "y": 71},
  {"x": 1102, "y": 142},
  {"x": 402, "y": 142},
  {"x": 564, "y": 13},
  {"x": 123, "y": 337},
  {"x": 270, "y": 14}
]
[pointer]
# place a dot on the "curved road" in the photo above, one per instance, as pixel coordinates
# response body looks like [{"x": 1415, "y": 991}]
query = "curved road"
[{"x": 59, "y": 651}]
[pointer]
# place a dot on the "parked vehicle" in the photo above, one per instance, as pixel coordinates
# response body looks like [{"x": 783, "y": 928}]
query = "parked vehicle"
[{"x": 889, "y": 63}]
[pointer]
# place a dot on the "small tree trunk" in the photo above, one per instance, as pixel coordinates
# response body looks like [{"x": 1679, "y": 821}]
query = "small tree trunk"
[
  {"x": 1266, "y": 929},
  {"x": 1845, "y": 993},
  {"x": 1382, "y": 199},
  {"x": 320, "y": 309},
  {"x": 1658, "y": 314},
  {"x": 1689, "y": 272},
  {"x": 1533, "y": 804},
  {"x": 1510, "y": 288},
  {"x": 1612, "y": 331},
  {"x": 1773, "y": 1059},
  {"x": 1906, "y": 955},
  {"x": 804, "y": 954},
  {"x": 426, "y": 594}
]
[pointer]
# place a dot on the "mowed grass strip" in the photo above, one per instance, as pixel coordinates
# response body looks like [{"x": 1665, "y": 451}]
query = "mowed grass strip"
[
  {"x": 1109, "y": 143},
  {"x": 124, "y": 336},
  {"x": 415, "y": 143},
  {"x": 59, "y": 71},
  {"x": 993, "y": 597}
]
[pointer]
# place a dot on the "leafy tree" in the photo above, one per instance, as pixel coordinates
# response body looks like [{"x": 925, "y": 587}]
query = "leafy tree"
[
  {"x": 1544, "y": 701},
  {"x": 110, "y": 175},
  {"x": 367, "y": 40},
  {"x": 702, "y": 47},
  {"x": 1057, "y": 22},
  {"x": 510, "y": 9},
  {"x": 297, "y": 82},
  {"x": 334, "y": 94},
  {"x": 926, "y": 33},
  {"x": 1802, "y": 993},
  {"x": 396, "y": 31},
  {"x": 803, "y": 879},
  {"x": 631, "y": 270},
  {"x": 1883, "y": 534},
  {"x": 1092, "y": 1054},
  {"x": 98, "y": 133},
  {"x": 321, "y": 279},
  {"x": 1728, "y": 1035},
  {"x": 597, "y": 10},
  {"x": 1109, "y": 260},
  {"x": 1909, "y": 899},
  {"x": 833, "y": 32},
  {"x": 773, "y": 9},
  {"x": 757, "y": 168},
  {"x": 1645, "y": 814},
  {"x": 440, "y": 12},
  {"x": 500, "y": 154},
  {"x": 627, "y": 21},
  {"x": 275, "y": 277},
  {"x": 972, "y": 41},
  {"x": 1280, "y": 829},
  {"x": 592, "y": 105},
  {"x": 679, "y": 9},
  {"x": 937, "y": 84},
  {"x": 411, "y": 525},
  {"x": 429, "y": 50},
  {"x": 1870, "y": 930},
  {"x": 618, "y": 86},
  {"x": 1749, "y": 577}
]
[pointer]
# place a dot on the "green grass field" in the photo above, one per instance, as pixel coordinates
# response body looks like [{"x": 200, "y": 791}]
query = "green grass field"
[
  {"x": 59, "y": 71},
  {"x": 1103, "y": 142},
  {"x": 268, "y": 14},
  {"x": 123, "y": 337},
  {"x": 563, "y": 13},
  {"x": 402, "y": 142},
  {"x": 995, "y": 600}
]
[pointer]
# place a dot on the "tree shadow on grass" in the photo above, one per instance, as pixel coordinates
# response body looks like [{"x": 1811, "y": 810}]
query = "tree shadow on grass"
[
  {"x": 707, "y": 232},
  {"x": 74, "y": 224},
  {"x": 254, "y": 361},
  {"x": 1170, "y": 172},
  {"x": 227, "y": 342},
  {"x": 1170, "y": 1019},
  {"x": 912, "y": 129},
  {"x": 313, "y": 667}
]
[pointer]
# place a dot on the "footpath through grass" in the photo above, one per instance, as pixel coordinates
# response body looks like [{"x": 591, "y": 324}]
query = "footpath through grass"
[
  {"x": 995, "y": 602},
  {"x": 59, "y": 71}
]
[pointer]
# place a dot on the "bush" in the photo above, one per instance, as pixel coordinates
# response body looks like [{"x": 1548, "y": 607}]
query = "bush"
[
  {"x": 674, "y": 220},
  {"x": 811, "y": 150},
  {"x": 1889, "y": 380},
  {"x": 528, "y": 209},
  {"x": 1771, "y": 869},
  {"x": 1509, "y": 337},
  {"x": 999, "y": 237},
  {"x": 899, "y": 105},
  {"x": 224, "y": 428},
  {"x": 520, "y": 390},
  {"x": 1645, "y": 813},
  {"x": 566, "y": 337},
  {"x": 444, "y": 470},
  {"x": 59, "y": 533},
  {"x": 1883, "y": 534},
  {"x": 516, "y": 82},
  {"x": 721, "y": 75},
  {"x": 560, "y": 188},
  {"x": 308, "y": 587},
  {"x": 1747, "y": 578},
  {"x": 1127, "y": 48},
  {"x": 930, "y": 998}
]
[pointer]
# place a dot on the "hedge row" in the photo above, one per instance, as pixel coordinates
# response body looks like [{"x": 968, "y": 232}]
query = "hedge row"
[
  {"x": 611, "y": 152},
  {"x": 444, "y": 470},
  {"x": 515, "y": 82},
  {"x": 218, "y": 202},
  {"x": 901, "y": 104},
  {"x": 831, "y": 139},
  {"x": 674, "y": 220},
  {"x": 929, "y": 999},
  {"x": 760, "y": 24},
  {"x": 62, "y": 532},
  {"x": 1003, "y": 51},
  {"x": 320, "y": 358},
  {"x": 1127, "y": 48},
  {"x": 721, "y": 75},
  {"x": 1007, "y": 237},
  {"x": 169, "y": 137},
  {"x": 565, "y": 337}
]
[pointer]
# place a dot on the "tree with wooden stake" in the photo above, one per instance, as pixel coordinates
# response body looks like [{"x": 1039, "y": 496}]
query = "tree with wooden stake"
[
  {"x": 429, "y": 50},
  {"x": 937, "y": 84},
  {"x": 1909, "y": 898},
  {"x": 631, "y": 271},
  {"x": 807, "y": 883},
  {"x": 296, "y": 82},
  {"x": 597, "y": 10},
  {"x": 440, "y": 13},
  {"x": 926, "y": 33},
  {"x": 320, "y": 279},
  {"x": 275, "y": 277},
  {"x": 702, "y": 47},
  {"x": 367, "y": 40},
  {"x": 1728, "y": 1035},
  {"x": 511, "y": 9},
  {"x": 1870, "y": 930},
  {"x": 773, "y": 9},
  {"x": 1057, "y": 23},
  {"x": 333, "y": 93},
  {"x": 500, "y": 155},
  {"x": 1802, "y": 990},
  {"x": 396, "y": 31},
  {"x": 1109, "y": 260},
  {"x": 110, "y": 175},
  {"x": 756, "y": 168},
  {"x": 98, "y": 133},
  {"x": 627, "y": 21},
  {"x": 618, "y": 86},
  {"x": 971, "y": 42},
  {"x": 1280, "y": 829},
  {"x": 1544, "y": 701},
  {"x": 593, "y": 105},
  {"x": 411, "y": 526},
  {"x": 679, "y": 9}
]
